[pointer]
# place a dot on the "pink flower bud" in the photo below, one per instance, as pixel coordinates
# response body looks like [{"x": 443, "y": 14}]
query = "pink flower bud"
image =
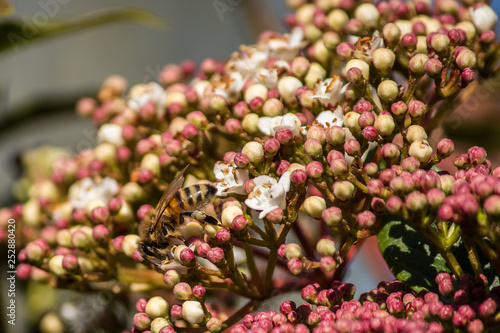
[
  {"x": 99, "y": 214},
  {"x": 391, "y": 153},
  {"x": 199, "y": 291},
  {"x": 23, "y": 271},
  {"x": 477, "y": 155},
  {"x": 275, "y": 216},
  {"x": 468, "y": 75},
  {"x": 366, "y": 219},
  {"x": 416, "y": 202},
  {"x": 281, "y": 167},
  {"x": 223, "y": 235},
  {"x": 233, "y": 126},
  {"x": 118, "y": 243},
  {"x": 355, "y": 76},
  {"x": 299, "y": 177},
  {"x": 371, "y": 169},
  {"x": 314, "y": 170},
  {"x": 488, "y": 37},
  {"x": 284, "y": 136},
  {"x": 345, "y": 50},
  {"x": 241, "y": 160},
  {"x": 70, "y": 263},
  {"x": 409, "y": 42},
  {"x": 182, "y": 291},
  {"x": 466, "y": 59},
  {"x": 399, "y": 109},
  {"x": 376, "y": 188},
  {"x": 294, "y": 266},
  {"x": 100, "y": 233},
  {"x": 327, "y": 264},
  {"x": 335, "y": 136},
  {"x": 216, "y": 255},
  {"x": 176, "y": 312},
  {"x": 171, "y": 278},
  {"x": 310, "y": 293},
  {"x": 241, "y": 109},
  {"x": 366, "y": 119},
  {"x": 145, "y": 146},
  {"x": 339, "y": 167},
  {"x": 187, "y": 256},
  {"x": 208, "y": 66},
  {"x": 352, "y": 148},
  {"x": 433, "y": 67},
  {"x": 141, "y": 321},
  {"x": 272, "y": 146},
  {"x": 287, "y": 306}
]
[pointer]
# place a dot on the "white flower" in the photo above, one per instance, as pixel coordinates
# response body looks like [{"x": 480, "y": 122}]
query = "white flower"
[
  {"x": 484, "y": 17},
  {"x": 230, "y": 88},
  {"x": 328, "y": 91},
  {"x": 269, "y": 194},
  {"x": 286, "y": 47},
  {"x": 364, "y": 47},
  {"x": 248, "y": 61},
  {"x": 327, "y": 119},
  {"x": 331, "y": 118},
  {"x": 230, "y": 179},
  {"x": 141, "y": 94},
  {"x": 111, "y": 133},
  {"x": 88, "y": 189},
  {"x": 270, "y": 125},
  {"x": 192, "y": 312}
]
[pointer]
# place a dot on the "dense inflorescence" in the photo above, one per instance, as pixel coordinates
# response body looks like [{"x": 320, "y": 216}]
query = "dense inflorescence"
[{"x": 321, "y": 134}]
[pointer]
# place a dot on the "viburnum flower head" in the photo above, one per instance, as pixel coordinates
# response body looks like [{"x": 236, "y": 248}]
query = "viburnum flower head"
[
  {"x": 88, "y": 189},
  {"x": 270, "y": 125},
  {"x": 268, "y": 194},
  {"x": 141, "y": 94},
  {"x": 230, "y": 179}
]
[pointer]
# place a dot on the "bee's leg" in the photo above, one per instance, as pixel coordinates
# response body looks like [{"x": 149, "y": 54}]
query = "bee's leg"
[{"x": 202, "y": 217}]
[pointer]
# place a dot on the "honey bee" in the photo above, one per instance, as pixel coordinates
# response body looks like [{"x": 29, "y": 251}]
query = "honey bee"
[{"x": 158, "y": 229}]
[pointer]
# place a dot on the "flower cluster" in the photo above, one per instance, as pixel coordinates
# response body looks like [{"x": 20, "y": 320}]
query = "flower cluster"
[
  {"x": 321, "y": 133},
  {"x": 388, "y": 308}
]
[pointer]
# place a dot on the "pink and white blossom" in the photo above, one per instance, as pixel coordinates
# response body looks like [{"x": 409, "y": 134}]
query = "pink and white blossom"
[{"x": 269, "y": 194}]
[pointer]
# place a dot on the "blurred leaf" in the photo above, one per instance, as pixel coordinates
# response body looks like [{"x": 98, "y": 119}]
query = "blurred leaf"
[
  {"x": 6, "y": 8},
  {"x": 414, "y": 261},
  {"x": 15, "y": 32},
  {"x": 410, "y": 258}
]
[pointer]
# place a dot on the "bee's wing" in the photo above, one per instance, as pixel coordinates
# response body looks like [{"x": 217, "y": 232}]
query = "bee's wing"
[{"x": 172, "y": 189}]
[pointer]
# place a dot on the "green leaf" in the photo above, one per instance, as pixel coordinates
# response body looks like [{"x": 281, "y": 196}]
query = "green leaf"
[
  {"x": 411, "y": 259},
  {"x": 14, "y": 31},
  {"x": 415, "y": 262}
]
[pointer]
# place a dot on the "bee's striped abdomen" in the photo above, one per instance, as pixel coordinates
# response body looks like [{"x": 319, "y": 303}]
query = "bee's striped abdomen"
[{"x": 192, "y": 198}]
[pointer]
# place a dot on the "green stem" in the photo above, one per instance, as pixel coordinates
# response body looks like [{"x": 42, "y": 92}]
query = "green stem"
[
  {"x": 472, "y": 253},
  {"x": 252, "y": 267}
]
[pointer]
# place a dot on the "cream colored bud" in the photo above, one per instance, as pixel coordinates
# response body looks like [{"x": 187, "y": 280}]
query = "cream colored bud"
[
  {"x": 314, "y": 206},
  {"x": 254, "y": 151},
  {"x": 362, "y": 65},
  {"x": 105, "y": 152},
  {"x": 192, "y": 312},
  {"x": 130, "y": 244},
  {"x": 125, "y": 214},
  {"x": 385, "y": 124},
  {"x": 255, "y": 90},
  {"x": 157, "y": 307},
  {"x": 326, "y": 247},
  {"x": 421, "y": 150},
  {"x": 337, "y": 19},
  {"x": 64, "y": 238},
  {"x": 287, "y": 86},
  {"x": 55, "y": 265},
  {"x": 351, "y": 121},
  {"x": 383, "y": 59},
  {"x": 31, "y": 213},
  {"x": 228, "y": 215},
  {"x": 421, "y": 45},
  {"x": 305, "y": 13},
  {"x": 192, "y": 229},
  {"x": 415, "y": 133},
  {"x": 175, "y": 97},
  {"x": 249, "y": 123},
  {"x": 388, "y": 91},
  {"x": 151, "y": 162},
  {"x": 158, "y": 323},
  {"x": 368, "y": 14},
  {"x": 321, "y": 53},
  {"x": 315, "y": 72}
]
